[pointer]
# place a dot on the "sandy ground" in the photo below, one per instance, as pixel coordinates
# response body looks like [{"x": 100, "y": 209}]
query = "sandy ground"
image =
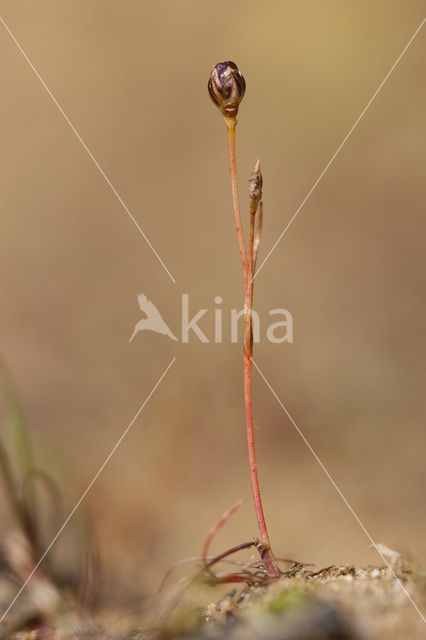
[{"x": 337, "y": 602}]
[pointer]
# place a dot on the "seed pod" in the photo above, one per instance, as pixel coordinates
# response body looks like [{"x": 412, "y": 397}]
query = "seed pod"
[
  {"x": 255, "y": 187},
  {"x": 226, "y": 88}
]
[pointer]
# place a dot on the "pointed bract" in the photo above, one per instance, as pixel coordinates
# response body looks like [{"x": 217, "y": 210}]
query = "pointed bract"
[{"x": 255, "y": 187}]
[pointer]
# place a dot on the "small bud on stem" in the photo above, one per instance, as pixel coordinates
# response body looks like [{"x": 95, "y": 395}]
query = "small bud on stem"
[
  {"x": 226, "y": 88},
  {"x": 255, "y": 188}
]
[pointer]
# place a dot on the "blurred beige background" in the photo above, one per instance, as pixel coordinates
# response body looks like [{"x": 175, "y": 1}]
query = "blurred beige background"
[{"x": 132, "y": 78}]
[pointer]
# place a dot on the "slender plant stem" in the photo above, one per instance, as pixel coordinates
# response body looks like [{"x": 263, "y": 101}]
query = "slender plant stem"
[
  {"x": 248, "y": 301},
  {"x": 231, "y": 122},
  {"x": 215, "y": 528},
  {"x": 269, "y": 559},
  {"x": 257, "y": 237},
  {"x": 248, "y": 267}
]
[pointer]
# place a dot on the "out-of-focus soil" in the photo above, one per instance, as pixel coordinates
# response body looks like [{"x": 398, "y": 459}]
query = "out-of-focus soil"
[{"x": 337, "y": 602}]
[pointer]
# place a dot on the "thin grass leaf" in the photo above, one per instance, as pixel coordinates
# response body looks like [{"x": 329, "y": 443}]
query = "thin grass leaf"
[
  {"x": 7, "y": 473},
  {"x": 18, "y": 425}
]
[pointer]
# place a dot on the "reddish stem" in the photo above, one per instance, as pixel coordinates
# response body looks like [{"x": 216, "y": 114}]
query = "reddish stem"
[
  {"x": 231, "y": 122},
  {"x": 268, "y": 558},
  {"x": 248, "y": 267},
  {"x": 215, "y": 528}
]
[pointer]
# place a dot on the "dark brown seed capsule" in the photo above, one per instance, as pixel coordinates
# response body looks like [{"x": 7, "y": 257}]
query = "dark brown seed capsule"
[{"x": 226, "y": 88}]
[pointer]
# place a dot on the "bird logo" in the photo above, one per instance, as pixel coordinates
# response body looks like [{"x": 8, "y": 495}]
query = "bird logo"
[{"x": 153, "y": 320}]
